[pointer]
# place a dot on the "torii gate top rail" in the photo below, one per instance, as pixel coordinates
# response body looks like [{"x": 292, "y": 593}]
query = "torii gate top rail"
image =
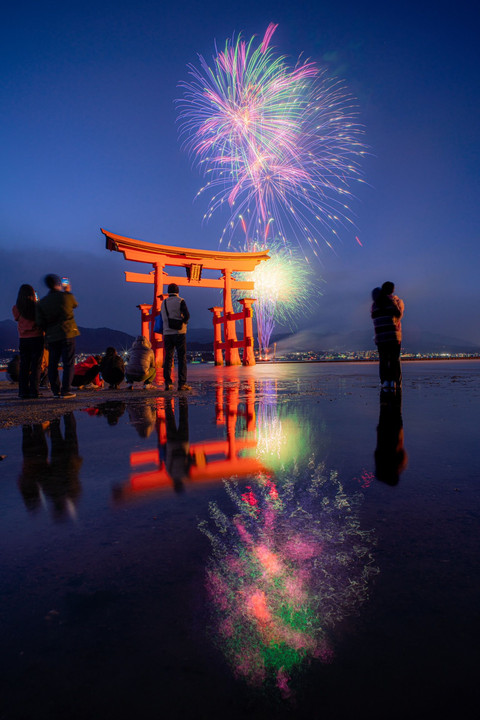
[
  {"x": 141, "y": 251},
  {"x": 194, "y": 261}
]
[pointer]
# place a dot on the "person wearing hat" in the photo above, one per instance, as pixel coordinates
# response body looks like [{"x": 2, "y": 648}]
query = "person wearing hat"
[
  {"x": 54, "y": 315},
  {"x": 175, "y": 317}
]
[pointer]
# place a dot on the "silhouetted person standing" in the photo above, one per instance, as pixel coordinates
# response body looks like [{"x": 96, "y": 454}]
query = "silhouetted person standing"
[
  {"x": 175, "y": 317},
  {"x": 387, "y": 312},
  {"x": 54, "y": 314},
  {"x": 30, "y": 340}
]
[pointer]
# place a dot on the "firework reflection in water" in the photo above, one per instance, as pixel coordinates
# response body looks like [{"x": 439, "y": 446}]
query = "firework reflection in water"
[
  {"x": 280, "y": 145},
  {"x": 284, "y": 570},
  {"x": 283, "y": 437}
]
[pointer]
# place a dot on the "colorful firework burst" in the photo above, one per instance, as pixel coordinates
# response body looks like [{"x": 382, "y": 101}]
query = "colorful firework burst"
[
  {"x": 280, "y": 145},
  {"x": 284, "y": 291}
]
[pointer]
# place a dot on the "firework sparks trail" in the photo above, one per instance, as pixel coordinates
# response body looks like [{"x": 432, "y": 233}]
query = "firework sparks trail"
[{"x": 278, "y": 144}]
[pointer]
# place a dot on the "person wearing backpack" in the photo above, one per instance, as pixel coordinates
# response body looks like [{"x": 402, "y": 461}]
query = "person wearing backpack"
[{"x": 175, "y": 317}]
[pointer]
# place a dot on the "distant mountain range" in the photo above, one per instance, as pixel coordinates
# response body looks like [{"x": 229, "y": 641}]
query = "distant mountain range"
[
  {"x": 91, "y": 340},
  {"x": 96, "y": 340}
]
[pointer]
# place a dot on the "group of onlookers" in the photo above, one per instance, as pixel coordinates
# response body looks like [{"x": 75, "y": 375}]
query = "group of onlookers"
[
  {"x": 47, "y": 331},
  {"x": 47, "y": 322},
  {"x": 97, "y": 370},
  {"x": 50, "y": 324}
]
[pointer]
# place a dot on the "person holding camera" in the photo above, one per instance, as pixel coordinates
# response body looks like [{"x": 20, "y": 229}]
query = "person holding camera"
[
  {"x": 175, "y": 317},
  {"x": 54, "y": 315}
]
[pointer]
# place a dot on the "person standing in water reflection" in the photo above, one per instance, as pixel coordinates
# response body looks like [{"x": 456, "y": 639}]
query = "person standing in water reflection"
[
  {"x": 387, "y": 312},
  {"x": 175, "y": 317}
]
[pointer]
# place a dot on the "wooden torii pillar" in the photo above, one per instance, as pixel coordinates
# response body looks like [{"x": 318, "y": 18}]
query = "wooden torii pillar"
[{"x": 194, "y": 262}]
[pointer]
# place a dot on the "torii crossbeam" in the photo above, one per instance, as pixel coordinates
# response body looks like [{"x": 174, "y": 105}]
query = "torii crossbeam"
[{"x": 194, "y": 261}]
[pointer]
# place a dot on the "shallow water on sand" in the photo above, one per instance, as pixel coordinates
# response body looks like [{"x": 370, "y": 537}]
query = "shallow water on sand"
[{"x": 284, "y": 542}]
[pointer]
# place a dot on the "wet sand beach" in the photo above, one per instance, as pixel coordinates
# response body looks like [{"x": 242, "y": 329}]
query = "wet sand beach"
[{"x": 284, "y": 541}]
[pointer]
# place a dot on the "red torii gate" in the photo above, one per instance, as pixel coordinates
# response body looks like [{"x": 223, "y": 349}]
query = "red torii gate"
[{"x": 194, "y": 261}]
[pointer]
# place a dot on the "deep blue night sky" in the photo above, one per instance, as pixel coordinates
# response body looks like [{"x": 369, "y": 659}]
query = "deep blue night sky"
[{"x": 89, "y": 139}]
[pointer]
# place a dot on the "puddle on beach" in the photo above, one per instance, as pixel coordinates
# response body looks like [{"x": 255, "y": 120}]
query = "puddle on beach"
[{"x": 284, "y": 543}]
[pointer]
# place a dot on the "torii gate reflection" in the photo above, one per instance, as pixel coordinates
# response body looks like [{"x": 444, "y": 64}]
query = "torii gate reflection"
[
  {"x": 177, "y": 461},
  {"x": 194, "y": 261}
]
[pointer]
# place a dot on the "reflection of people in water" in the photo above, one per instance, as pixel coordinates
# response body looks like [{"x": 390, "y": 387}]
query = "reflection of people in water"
[
  {"x": 57, "y": 480},
  {"x": 112, "y": 410},
  {"x": 177, "y": 460},
  {"x": 390, "y": 454},
  {"x": 143, "y": 417},
  {"x": 35, "y": 468}
]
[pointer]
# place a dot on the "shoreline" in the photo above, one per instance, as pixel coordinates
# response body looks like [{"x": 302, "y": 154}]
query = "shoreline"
[
  {"x": 371, "y": 360},
  {"x": 15, "y": 411}
]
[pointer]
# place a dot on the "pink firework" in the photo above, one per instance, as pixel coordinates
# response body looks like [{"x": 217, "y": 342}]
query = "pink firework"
[{"x": 278, "y": 144}]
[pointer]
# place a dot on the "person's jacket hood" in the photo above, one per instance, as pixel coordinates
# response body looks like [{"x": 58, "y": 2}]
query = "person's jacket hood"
[{"x": 142, "y": 340}]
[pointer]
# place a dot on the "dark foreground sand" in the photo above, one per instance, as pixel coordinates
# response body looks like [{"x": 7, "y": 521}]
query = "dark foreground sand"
[{"x": 14, "y": 411}]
